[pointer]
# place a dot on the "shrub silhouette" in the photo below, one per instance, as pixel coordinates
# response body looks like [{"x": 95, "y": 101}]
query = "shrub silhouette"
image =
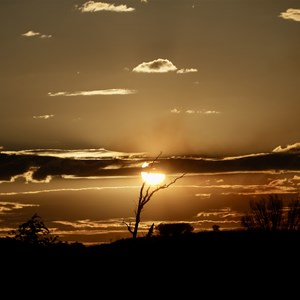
[
  {"x": 174, "y": 229},
  {"x": 34, "y": 231},
  {"x": 216, "y": 227}
]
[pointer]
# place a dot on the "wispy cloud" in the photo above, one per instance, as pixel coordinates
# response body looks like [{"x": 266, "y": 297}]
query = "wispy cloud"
[
  {"x": 29, "y": 176},
  {"x": 82, "y": 154},
  {"x": 45, "y": 117},
  {"x": 92, "y": 6},
  {"x": 89, "y": 224},
  {"x": 94, "y": 93},
  {"x": 159, "y": 65},
  {"x": 175, "y": 111},
  {"x": 203, "y": 111},
  {"x": 203, "y": 195},
  {"x": 31, "y": 33},
  {"x": 291, "y": 14},
  {"x": 10, "y": 206},
  {"x": 289, "y": 148},
  {"x": 184, "y": 71},
  {"x": 225, "y": 212},
  {"x": 192, "y": 111},
  {"x": 44, "y": 191}
]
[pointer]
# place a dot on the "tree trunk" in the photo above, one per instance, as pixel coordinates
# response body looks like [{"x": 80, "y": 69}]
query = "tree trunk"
[{"x": 137, "y": 221}]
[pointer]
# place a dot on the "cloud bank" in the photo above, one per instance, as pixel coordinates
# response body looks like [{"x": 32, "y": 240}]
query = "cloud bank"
[{"x": 41, "y": 165}]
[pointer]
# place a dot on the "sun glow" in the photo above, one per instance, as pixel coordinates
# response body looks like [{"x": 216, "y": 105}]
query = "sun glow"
[{"x": 152, "y": 177}]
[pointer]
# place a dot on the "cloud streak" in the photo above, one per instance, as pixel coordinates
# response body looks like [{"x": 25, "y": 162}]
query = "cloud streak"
[
  {"x": 184, "y": 71},
  {"x": 106, "y": 92},
  {"x": 192, "y": 111},
  {"x": 10, "y": 206},
  {"x": 289, "y": 148},
  {"x": 92, "y": 6},
  {"x": 82, "y": 154},
  {"x": 45, "y": 117}
]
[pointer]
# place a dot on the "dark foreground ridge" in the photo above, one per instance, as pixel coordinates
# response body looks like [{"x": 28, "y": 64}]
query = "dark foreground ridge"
[
  {"x": 210, "y": 248},
  {"x": 263, "y": 263}
]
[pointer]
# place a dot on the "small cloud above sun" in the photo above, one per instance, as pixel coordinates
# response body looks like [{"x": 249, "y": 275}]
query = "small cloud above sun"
[{"x": 161, "y": 65}]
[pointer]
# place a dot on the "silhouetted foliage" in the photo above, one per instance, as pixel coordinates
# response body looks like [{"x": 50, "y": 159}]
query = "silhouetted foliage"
[
  {"x": 174, "y": 229},
  {"x": 150, "y": 231},
  {"x": 293, "y": 218},
  {"x": 146, "y": 193},
  {"x": 34, "y": 231},
  {"x": 271, "y": 214},
  {"x": 216, "y": 227}
]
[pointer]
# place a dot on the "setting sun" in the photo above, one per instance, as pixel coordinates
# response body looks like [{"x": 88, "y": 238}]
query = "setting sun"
[{"x": 152, "y": 177}]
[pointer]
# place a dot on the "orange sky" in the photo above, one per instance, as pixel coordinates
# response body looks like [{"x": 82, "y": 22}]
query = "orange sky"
[
  {"x": 173, "y": 76},
  {"x": 88, "y": 87}
]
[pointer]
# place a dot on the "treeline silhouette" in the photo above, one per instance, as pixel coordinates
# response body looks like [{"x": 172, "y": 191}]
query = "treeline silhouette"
[
  {"x": 173, "y": 261},
  {"x": 271, "y": 237},
  {"x": 271, "y": 214}
]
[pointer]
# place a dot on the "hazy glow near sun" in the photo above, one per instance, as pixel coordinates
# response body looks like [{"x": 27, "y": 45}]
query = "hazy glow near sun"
[{"x": 152, "y": 178}]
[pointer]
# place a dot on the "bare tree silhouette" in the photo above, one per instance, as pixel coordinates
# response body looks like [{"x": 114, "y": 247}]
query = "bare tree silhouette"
[
  {"x": 271, "y": 214},
  {"x": 146, "y": 193}
]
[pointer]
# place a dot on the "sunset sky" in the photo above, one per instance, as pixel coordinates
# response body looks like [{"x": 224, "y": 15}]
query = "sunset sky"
[
  {"x": 91, "y": 90},
  {"x": 206, "y": 76}
]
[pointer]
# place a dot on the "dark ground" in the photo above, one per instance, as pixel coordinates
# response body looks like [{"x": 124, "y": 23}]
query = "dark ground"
[{"x": 265, "y": 264}]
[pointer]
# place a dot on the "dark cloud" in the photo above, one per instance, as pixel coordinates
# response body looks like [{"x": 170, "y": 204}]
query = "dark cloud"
[{"x": 43, "y": 167}]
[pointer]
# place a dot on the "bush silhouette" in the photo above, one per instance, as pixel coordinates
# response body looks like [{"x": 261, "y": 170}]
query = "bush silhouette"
[
  {"x": 34, "y": 231},
  {"x": 174, "y": 229},
  {"x": 216, "y": 227}
]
